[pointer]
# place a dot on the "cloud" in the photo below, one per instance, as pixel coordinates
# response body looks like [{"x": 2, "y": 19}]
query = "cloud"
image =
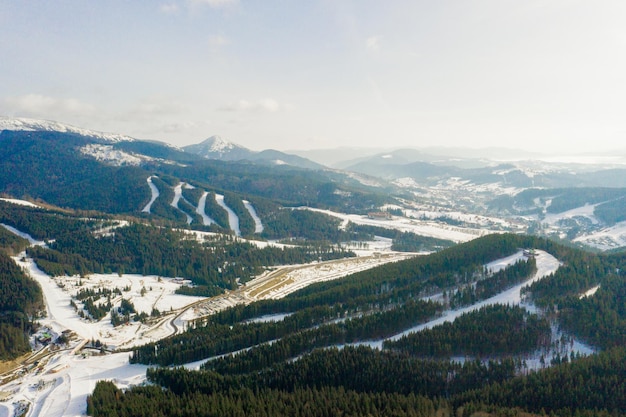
[
  {"x": 156, "y": 106},
  {"x": 40, "y": 106},
  {"x": 217, "y": 41},
  {"x": 177, "y": 127},
  {"x": 169, "y": 8},
  {"x": 373, "y": 43},
  {"x": 264, "y": 105},
  {"x": 215, "y": 4}
]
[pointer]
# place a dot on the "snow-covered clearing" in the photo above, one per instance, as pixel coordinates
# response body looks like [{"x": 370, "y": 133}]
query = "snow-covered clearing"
[
  {"x": 116, "y": 157},
  {"x": 233, "y": 220},
  {"x": 155, "y": 194},
  {"x": 206, "y": 220},
  {"x": 584, "y": 211},
  {"x": 158, "y": 293},
  {"x": 608, "y": 238},
  {"x": 258, "y": 226},
  {"x": 420, "y": 227}
]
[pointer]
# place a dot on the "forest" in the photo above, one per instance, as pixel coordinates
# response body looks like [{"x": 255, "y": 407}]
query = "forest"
[
  {"x": 21, "y": 300},
  {"x": 215, "y": 264},
  {"x": 320, "y": 346}
]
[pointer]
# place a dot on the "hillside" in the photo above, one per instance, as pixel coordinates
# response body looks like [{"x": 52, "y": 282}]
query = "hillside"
[{"x": 284, "y": 290}]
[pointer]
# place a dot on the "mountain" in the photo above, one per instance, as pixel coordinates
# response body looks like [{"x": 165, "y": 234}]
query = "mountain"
[
  {"x": 218, "y": 148},
  {"x": 34, "y": 125},
  {"x": 81, "y": 169},
  {"x": 430, "y": 170}
]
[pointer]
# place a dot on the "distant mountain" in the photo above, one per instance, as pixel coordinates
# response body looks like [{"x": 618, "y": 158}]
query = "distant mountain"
[
  {"x": 429, "y": 169},
  {"x": 82, "y": 169},
  {"x": 218, "y": 148}
]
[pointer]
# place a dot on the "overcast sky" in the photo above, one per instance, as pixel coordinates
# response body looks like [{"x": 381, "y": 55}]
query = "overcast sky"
[{"x": 311, "y": 74}]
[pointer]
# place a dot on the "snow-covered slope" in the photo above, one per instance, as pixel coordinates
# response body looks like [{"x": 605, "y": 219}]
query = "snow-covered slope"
[{"x": 8, "y": 123}]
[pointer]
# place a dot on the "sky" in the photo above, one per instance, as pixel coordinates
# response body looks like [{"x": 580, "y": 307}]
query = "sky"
[{"x": 288, "y": 74}]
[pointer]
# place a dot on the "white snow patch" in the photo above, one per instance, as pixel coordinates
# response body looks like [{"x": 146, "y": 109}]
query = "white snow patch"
[
  {"x": 116, "y": 157},
  {"x": 20, "y": 202},
  {"x": 589, "y": 292}
]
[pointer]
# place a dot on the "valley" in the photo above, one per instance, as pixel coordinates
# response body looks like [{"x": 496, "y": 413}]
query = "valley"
[
  {"x": 265, "y": 273},
  {"x": 56, "y": 381}
]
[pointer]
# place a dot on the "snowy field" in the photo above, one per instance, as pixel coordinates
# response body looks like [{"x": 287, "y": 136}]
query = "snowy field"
[
  {"x": 607, "y": 238},
  {"x": 421, "y": 227}
]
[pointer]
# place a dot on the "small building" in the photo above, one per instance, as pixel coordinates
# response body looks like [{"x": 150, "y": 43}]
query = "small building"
[{"x": 379, "y": 215}]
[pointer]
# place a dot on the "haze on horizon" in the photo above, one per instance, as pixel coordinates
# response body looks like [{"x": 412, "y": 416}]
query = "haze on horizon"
[{"x": 323, "y": 73}]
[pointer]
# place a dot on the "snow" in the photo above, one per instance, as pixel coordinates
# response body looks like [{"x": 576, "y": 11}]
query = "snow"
[
  {"x": 178, "y": 195},
  {"x": 32, "y": 125},
  {"x": 116, "y": 157},
  {"x": 220, "y": 145},
  {"x": 546, "y": 265},
  {"x": 607, "y": 238},
  {"x": 206, "y": 220},
  {"x": 406, "y": 182},
  {"x": 233, "y": 220},
  {"x": 420, "y": 227},
  {"x": 155, "y": 194},
  {"x": 64, "y": 392},
  {"x": 20, "y": 202},
  {"x": 61, "y": 383},
  {"x": 26, "y": 236},
  {"x": 584, "y": 211},
  {"x": 500, "y": 264},
  {"x": 270, "y": 318},
  {"x": 258, "y": 226},
  {"x": 589, "y": 292}
]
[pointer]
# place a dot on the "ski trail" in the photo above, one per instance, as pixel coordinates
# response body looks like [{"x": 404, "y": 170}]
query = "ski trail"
[
  {"x": 546, "y": 265},
  {"x": 23, "y": 235},
  {"x": 206, "y": 220},
  {"x": 258, "y": 226},
  {"x": 178, "y": 194},
  {"x": 155, "y": 195},
  {"x": 233, "y": 220}
]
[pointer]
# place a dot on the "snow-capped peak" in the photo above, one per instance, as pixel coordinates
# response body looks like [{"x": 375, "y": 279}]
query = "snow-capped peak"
[
  {"x": 33, "y": 125},
  {"x": 218, "y": 144}
]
